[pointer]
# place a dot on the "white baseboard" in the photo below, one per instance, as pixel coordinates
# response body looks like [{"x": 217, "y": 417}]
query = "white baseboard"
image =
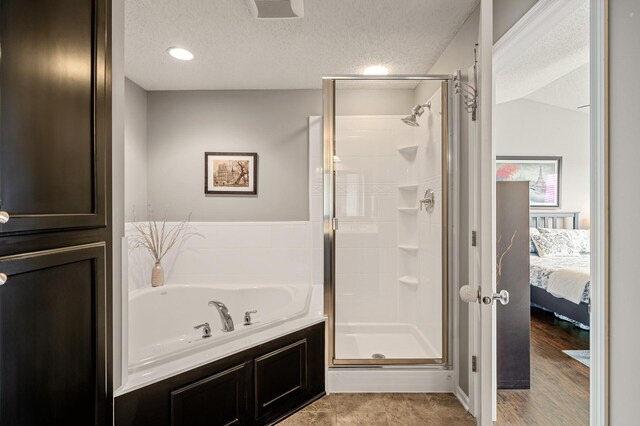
[
  {"x": 377, "y": 380},
  {"x": 462, "y": 397}
]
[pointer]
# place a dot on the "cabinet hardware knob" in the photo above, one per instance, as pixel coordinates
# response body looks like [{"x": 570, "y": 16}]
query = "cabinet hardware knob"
[
  {"x": 4, "y": 217},
  {"x": 3, "y": 278}
]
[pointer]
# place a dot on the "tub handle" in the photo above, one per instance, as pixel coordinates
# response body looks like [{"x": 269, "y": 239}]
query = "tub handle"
[
  {"x": 247, "y": 317},
  {"x": 206, "y": 329}
]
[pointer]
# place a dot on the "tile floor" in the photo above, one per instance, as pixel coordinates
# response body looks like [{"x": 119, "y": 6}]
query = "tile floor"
[{"x": 373, "y": 409}]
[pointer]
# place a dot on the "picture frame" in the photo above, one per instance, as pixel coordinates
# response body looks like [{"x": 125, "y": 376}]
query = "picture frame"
[
  {"x": 230, "y": 173},
  {"x": 543, "y": 173}
]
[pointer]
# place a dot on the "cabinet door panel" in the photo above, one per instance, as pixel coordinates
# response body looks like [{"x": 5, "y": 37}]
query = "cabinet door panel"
[
  {"x": 280, "y": 378},
  {"x": 52, "y": 321},
  {"x": 217, "y": 400},
  {"x": 52, "y": 114}
]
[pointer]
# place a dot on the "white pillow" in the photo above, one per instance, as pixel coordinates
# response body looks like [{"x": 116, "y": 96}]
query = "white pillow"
[
  {"x": 580, "y": 238},
  {"x": 555, "y": 244},
  {"x": 532, "y": 231}
]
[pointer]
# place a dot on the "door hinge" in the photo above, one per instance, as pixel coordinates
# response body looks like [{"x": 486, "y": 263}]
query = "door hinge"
[
  {"x": 334, "y": 223},
  {"x": 474, "y": 239},
  {"x": 474, "y": 364}
]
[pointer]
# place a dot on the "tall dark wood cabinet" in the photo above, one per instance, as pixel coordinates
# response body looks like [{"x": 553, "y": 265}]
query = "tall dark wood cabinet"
[
  {"x": 55, "y": 238},
  {"x": 513, "y": 320}
]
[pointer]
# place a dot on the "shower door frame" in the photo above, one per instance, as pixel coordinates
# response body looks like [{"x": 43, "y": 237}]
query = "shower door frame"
[{"x": 328, "y": 173}]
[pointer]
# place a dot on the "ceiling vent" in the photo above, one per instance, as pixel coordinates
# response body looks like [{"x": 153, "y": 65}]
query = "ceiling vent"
[{"x": 276, "y": 9}]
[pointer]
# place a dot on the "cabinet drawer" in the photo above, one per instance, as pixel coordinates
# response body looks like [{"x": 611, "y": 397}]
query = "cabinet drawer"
[
  {"x": 280, "y": 378},
  {"x": 220, "y": 399}
]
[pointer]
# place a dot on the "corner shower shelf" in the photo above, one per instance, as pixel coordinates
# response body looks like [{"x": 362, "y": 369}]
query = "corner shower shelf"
[
  {"x": 409, "y": 280},
  {"x": 408, "y": 248},
  {"x": 408, "y": 187},
  {"x": 408, "y": 149},
  {"x": 408, "y": 210}
]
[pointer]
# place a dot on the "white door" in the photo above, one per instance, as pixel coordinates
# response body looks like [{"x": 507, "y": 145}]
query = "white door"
[
  {"x": 487, "y": 234},
  {"x": 482, "y": 187}
]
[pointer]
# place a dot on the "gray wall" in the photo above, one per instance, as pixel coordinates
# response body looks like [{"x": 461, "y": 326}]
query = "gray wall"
[
  {"x": 506, "y": 13},
  {"x": 459, "y": 55},
  {"x": 183, "y": 125},
  {"x": 624, "y": 60},
  {"x": 135, "y": 151},
  {"x": 528, "y": 128}
]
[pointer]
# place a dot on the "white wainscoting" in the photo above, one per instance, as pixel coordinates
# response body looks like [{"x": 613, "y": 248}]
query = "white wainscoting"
[{"x": 227, "y": 253}]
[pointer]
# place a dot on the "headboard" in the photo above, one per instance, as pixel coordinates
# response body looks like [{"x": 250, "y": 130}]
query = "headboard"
[{"x": 569, "y": 220}]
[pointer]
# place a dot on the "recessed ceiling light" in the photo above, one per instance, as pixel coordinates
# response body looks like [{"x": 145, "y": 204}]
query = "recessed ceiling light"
[
  {"x": 376, "y": 70},
  {"x": 180, "y": 53}
]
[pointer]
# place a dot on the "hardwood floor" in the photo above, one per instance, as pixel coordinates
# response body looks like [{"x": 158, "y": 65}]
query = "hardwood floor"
[{"x": 559, "y": 393}]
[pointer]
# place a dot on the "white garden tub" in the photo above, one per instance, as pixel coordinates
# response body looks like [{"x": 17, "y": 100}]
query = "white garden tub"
[{"x": 162, "y": 319}]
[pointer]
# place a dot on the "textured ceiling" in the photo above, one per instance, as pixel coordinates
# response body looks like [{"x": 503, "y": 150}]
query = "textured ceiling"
[
  {"x": 569, "y": 91},
  {"x": 235, "y": 51},
  {"x": 562, "y": 50}
]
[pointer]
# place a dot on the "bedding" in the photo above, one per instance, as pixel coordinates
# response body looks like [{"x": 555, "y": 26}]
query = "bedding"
[
  {"x": 569, "y": 283},
  {"x": 532, "y": 232},
  {"x": 555, "y": 244},
  {"x": 542, "y": 267},
  {"x": 578, "y": 238}
]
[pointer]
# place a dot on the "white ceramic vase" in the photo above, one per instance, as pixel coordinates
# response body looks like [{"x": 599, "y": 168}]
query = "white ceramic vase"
[{"x": 157, "y": 275}]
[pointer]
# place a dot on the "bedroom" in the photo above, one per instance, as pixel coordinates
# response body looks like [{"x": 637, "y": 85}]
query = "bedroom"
[{"x": 541, "y": 125}]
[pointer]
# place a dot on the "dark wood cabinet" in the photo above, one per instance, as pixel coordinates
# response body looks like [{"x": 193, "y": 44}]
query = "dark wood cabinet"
[
  {"x": 55, "y": 249},
  {"x": 53, "y": 114},
  {"x": 227, "y": 391},
  {"x": 51, "y": 329},
  {"x": 280, "y": 378},
  {"x": 258, "y": 386}
]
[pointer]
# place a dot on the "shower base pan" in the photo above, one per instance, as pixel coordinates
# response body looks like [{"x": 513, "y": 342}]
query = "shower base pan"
[
  {"x": 382, "y": 341},
  {"x": 393, "y": 341}
]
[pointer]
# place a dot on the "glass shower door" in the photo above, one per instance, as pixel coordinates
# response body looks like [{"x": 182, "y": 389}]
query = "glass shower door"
[{"x": 388, "y": 251}]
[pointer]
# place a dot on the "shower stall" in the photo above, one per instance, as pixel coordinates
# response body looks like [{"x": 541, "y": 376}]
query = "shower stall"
[{"x": 386, "y": 192}]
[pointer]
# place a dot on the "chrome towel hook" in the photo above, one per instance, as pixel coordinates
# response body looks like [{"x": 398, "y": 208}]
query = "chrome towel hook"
[{"x": 428, "y": 201}]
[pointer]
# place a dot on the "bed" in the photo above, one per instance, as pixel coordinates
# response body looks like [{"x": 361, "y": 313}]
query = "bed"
[{"x": 541, "y": 269}]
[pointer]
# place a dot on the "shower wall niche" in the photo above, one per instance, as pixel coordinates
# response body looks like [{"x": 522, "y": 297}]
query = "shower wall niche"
[{"x": 388, "y": 289}]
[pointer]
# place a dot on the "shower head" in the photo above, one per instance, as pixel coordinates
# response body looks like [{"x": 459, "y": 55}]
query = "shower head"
[
  {"x": 416, "y": 111},
  {"x": 411, "y": 120}
]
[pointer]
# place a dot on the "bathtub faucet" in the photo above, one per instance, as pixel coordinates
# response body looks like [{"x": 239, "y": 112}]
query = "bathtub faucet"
[{"x": 227, "y": 321}]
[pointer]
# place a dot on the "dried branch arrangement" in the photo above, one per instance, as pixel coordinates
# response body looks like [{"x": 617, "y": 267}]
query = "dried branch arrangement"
[
  {"x": 158, "y": 238},
  {"x": 500, "y": 256}
]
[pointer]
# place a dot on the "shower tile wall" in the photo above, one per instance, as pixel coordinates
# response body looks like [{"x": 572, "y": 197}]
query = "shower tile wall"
[
  {"x": 367, "y": 178},
  {"x": 316, "y": 198},
  {"x": 388, "y": 256},
  {"x": 429, "y": 159}
]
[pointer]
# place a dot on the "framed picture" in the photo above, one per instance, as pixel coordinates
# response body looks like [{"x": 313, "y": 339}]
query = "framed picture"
[
  {"x": 543, "y": 173},
  {"x": 231, "y": 173}
]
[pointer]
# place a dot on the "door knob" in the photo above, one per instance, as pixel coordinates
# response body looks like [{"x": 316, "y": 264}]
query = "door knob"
[
  {"x": 3, "y": 278},
  {"x": 4, "y": 217},
  {"x": 503, "y": 297},
  {"x": 469, "y": 294}
]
